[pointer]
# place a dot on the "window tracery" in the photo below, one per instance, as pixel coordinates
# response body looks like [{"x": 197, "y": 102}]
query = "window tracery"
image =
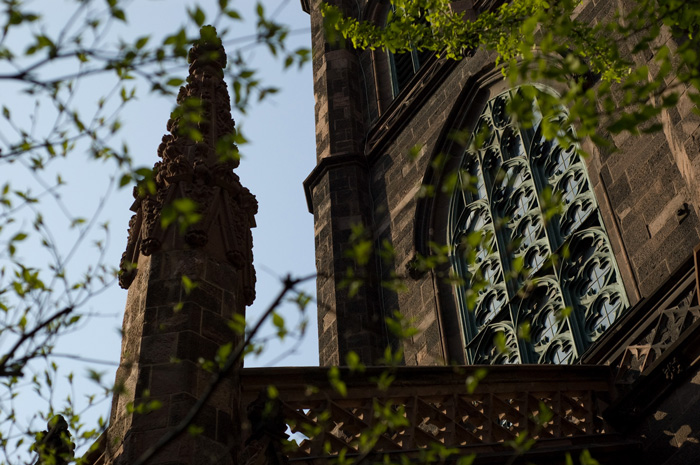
[{"x": 541, "y": 285}]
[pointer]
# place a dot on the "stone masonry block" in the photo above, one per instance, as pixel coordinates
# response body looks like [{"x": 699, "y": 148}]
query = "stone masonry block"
[
  {"x": 193, "y": 347},
  {"x": 223, "y": 395},
  {"x": 650, "y": 280},
  {"x": 619, "y": 193},
  {"x": 231, "y": 305},
  {"x": 154, "y": 418},
  {"x": 182, "y": 404},
  {"x": 136, "y": 443},
  {"x": 222, "y": 275},
  {"x": 203, "y": 450},
  {"x": 216, "y": 328},
  {"x": 225, "y": 429},
  {"x": 160, "y": 348},
  {"x": 168, "y": 319},
  {"x": 206, "y": 295},
  {"x": 178, "y": 263},
  {"x": 165, "y": 292},
  {"x": 174, "y": 378}
]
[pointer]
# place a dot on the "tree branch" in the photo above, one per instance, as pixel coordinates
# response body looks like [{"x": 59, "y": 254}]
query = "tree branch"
[{"x": 25, "y": 337}]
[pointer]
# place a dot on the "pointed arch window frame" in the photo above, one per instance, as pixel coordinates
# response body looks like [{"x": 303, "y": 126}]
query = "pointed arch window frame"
[{"x": 505, "y": 179}]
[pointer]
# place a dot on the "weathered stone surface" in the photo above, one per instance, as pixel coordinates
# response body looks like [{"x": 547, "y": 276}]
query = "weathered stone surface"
[
  {"x": 196, "y": 171},
  {"x": 185, "y": 289}
]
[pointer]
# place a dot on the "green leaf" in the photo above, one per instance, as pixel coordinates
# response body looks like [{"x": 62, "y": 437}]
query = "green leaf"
[
  {"x": 278, "y": 322},
  {"x": 19, "y": 237},
  {"x": 237, "y": 323},
  {"x": 545, "y": 414},
  {"x": 336, "y": 382},
  {"x": 141, "y": 42},
  {"x": 197, "y": 16},
  {"x": 223, "y": 353},
  {"x": 272, "y": 392},
  {"x": 188, "y": 285},
  {"x": 354, "y": 363},
  {"x": 124, "y": 180},
  {"x": 194, "y": 430},
  {"x": 466, "y": 460},
  {"x": 587, "y": 459},
  {"x": 524, "y": 331},
  {"x": 473, "y": 380},
  {"x": 119, "y": 14},
  {"x": 175, "y": 82},
  {"x": 500, "y": 342}
]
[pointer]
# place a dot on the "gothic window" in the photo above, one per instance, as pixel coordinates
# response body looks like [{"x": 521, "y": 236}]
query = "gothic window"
[
  {"x": 543, "y": 287},
  {"x": 404, "y": 65}
]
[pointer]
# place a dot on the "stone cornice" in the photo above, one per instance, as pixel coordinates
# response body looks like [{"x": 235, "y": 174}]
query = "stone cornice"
[{"x": 325, "y": 165}]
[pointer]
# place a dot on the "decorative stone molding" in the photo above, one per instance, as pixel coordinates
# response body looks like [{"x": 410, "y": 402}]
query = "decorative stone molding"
[
  {"x": 419, "y": 88},
  {"x": 435, "y": 405},
  {"x": 197, "y": 163},
  {"x": 323, "y": 167},
  {"x": 673, "y": 369}
]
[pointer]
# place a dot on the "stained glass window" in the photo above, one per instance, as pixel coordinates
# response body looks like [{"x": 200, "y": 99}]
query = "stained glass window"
[{"x": 532, "y": 286}]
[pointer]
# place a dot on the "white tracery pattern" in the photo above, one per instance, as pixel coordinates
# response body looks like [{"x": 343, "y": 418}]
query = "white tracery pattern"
[{"x": 503, "y": 243}]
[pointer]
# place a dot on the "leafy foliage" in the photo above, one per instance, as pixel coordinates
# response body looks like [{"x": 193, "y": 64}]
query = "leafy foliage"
[{"x": 609, "y": 82}]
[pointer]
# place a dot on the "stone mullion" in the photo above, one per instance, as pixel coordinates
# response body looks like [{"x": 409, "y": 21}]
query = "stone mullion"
[
  {"x": 500, "y": 240},
  {"x": 538, "y": 205}
]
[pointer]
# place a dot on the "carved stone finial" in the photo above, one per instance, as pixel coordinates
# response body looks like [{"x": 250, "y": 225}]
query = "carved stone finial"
[
  {"x": 54, "y": 446},
  {"x": 207, "y": 53},
  {"x": 195, "y": 178}
]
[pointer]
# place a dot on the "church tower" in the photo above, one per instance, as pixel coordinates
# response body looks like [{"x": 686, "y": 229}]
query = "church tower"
[
  {"x": 387, "y": 160},
  {"x": 188, "y": 268}
]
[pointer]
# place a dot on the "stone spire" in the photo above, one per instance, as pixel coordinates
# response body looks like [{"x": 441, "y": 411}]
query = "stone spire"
[
  {"x": 197, "y": 161},
  {"x": 172, "y": 324}
]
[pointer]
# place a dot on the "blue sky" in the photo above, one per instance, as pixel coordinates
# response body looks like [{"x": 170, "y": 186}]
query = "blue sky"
[{"x": 281, "y": 153}]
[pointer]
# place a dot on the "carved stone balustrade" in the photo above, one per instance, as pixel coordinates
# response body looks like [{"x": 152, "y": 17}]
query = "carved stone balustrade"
[
  {"x": 654, "y": 348},
  {"x": 432, "y": 405}
]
